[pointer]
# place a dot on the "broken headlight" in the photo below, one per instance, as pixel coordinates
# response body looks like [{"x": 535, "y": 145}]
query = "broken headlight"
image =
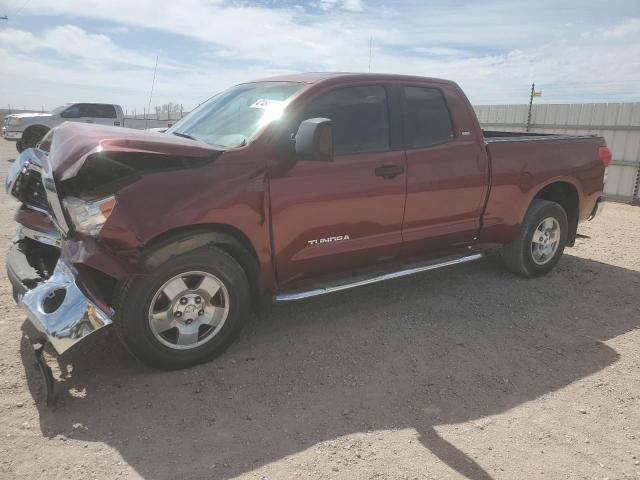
[{"x": 89, "y": 217}]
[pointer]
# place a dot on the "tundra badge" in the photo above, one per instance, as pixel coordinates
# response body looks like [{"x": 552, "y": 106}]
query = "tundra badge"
[{"x": 338, "y": 238}]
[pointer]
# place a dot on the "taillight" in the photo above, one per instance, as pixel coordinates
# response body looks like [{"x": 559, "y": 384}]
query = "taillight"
[{"x": 605, "y": 155}]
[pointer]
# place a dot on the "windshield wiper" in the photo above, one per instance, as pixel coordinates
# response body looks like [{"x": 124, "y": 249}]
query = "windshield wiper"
[{"x": 185, "y": 135}]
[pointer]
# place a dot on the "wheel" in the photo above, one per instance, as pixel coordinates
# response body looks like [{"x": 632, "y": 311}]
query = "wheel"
[
  {"x": 186, "y": 311},
  {"x": 541, "y": 240},
  {"x": 32, "y": 136},
  {"x": 19, "y": 146}
]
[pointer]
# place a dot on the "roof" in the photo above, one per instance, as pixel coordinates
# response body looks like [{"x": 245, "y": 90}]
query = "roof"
[{"x": 317, "y": 77}]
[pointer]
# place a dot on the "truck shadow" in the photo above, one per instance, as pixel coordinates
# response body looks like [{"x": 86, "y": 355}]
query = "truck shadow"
[{"x": 442, "y": 348}]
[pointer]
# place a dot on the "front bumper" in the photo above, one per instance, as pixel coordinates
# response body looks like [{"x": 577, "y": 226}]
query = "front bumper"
[
  {"x": 9, "y": 135},
  {"x": 57, "y": 306}
]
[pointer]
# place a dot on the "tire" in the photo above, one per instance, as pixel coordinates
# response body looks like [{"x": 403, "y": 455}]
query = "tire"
[
  {"x": 527, "y": 258},
  {"x": 19, "y": 146},
  {"x": 137, "y": 299},
  {"x": 32, "y": 136}
]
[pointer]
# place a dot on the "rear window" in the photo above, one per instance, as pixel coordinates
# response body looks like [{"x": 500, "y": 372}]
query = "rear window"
[
  {"x": 97, "y": 110},
  {"x": 427, "y": 119}
]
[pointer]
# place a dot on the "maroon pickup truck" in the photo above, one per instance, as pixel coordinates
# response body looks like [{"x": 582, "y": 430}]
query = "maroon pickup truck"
[{"x": 279, "y": 190}]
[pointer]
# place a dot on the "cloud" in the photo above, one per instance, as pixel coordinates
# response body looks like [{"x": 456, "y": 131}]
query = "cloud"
[
  {"x": 632, "y": 25},
  {"x": 353, "y": 5},
  {"x": 73, "y": 42},
  {"x": 442, "y": 51},
  {"x": 491, "y": 49}
]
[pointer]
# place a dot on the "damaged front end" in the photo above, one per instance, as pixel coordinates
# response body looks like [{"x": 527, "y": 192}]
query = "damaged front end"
[
  {"x": 44, "y": 284},
  {"x": 65, "y": 261},
  {"x": 62, "y": 269}
]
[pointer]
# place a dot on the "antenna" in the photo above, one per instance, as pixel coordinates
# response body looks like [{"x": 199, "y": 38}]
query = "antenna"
[
  {"x": 155, "y": 70},
  {"x": 370, "y": 44}
]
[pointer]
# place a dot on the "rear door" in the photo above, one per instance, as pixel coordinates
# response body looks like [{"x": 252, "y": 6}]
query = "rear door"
[
  {"x": 448, "y": 170},
  {"x": 331, "y": 217}
]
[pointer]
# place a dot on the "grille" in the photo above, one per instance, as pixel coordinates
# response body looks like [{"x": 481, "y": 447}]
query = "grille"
[{"x": 29, "y": 189}]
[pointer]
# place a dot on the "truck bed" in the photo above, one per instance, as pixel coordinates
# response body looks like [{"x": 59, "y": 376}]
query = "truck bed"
[{"x": 523, "y": 162}]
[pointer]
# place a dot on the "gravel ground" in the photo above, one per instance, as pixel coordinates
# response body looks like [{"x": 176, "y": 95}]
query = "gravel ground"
[{"x": 466, "y": 372}]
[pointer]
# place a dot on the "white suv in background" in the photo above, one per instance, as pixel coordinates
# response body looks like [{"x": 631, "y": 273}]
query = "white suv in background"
[{"x": 27, "y": 129}]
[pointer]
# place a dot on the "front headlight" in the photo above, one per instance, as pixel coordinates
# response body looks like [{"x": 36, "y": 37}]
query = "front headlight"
[{"x": 89, "y": 217}]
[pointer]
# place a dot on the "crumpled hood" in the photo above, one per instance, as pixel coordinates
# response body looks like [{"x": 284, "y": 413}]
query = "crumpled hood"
[{"x": 70, "y": 145}]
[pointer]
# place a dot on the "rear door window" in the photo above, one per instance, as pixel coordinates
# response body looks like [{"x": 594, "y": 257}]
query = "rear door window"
[
  {"x": 106, "y": 111},
  {"x": 97, "y": 110},
  {"x": 360, "y": 118},
  {"x": 427, "y": 120}
]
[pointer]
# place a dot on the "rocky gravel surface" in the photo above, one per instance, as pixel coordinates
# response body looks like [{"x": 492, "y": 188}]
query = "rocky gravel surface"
[{"x": 467, "y": 372}]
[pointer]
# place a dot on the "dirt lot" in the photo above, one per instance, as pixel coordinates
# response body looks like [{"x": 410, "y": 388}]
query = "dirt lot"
[{"x": 467, "y": 372}]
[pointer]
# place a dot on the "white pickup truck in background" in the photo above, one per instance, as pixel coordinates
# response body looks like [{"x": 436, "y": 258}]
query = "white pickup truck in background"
[{"x": 27, "y": 129}]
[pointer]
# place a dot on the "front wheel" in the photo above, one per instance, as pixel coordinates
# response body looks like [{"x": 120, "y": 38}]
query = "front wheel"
[
  {"x": 187, "y": 311},
  {"x": 540, "y": 243}
]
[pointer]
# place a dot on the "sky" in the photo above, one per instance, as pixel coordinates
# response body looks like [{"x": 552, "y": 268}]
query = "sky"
[{"x": 56, "y": 51}]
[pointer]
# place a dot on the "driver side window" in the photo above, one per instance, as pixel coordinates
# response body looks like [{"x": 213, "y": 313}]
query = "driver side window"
[{"x": 360, "y": 118}]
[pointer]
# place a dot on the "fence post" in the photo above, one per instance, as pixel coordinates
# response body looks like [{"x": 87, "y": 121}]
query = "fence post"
[
  {"x": 533, "y": 86},
  {"x": 635, "y": 197}
]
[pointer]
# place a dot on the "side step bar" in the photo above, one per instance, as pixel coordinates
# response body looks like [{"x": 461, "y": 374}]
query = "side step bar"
[{"x": 301, "y": 294}]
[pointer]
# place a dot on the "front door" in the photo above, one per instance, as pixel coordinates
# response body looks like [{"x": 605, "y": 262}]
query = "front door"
[{"x": 335, "y": 216}]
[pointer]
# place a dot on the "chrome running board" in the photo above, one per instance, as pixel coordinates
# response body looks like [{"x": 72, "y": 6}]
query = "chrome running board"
[{"x": 301, "y": 294}]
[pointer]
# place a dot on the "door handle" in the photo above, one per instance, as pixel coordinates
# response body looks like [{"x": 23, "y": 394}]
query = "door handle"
[{"x": 389, "y": 171}]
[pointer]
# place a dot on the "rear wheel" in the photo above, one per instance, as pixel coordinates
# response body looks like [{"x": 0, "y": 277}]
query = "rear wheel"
[
  {"x": 540, "y": 242},
  {"x": 187, "y": 311}
]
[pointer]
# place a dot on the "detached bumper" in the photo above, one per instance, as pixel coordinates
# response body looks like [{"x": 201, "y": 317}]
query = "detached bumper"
[
  {"x": 8, "y": 135},
  {"x": 56, "y": 307}
]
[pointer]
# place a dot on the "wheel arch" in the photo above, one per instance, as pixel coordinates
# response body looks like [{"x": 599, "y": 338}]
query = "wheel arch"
[
  {"x": 566, "y": 194},
  {"x": 230, "y": 239}
]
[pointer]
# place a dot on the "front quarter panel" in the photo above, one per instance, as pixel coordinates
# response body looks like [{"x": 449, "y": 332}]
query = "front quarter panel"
[{"x": 228, "y": 192}]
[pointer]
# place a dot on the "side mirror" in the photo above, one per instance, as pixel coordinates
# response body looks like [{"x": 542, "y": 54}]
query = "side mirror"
[{"x": 314, "y": 140}]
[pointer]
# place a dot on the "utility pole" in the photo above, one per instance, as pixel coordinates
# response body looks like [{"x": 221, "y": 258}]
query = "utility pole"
[{"x": 370, "y": 45}]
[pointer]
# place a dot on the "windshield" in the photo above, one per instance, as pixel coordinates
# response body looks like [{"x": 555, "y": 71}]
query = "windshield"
[
  {"x": 60, "y": 109},
  {"x": 232, "y": 118}
]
